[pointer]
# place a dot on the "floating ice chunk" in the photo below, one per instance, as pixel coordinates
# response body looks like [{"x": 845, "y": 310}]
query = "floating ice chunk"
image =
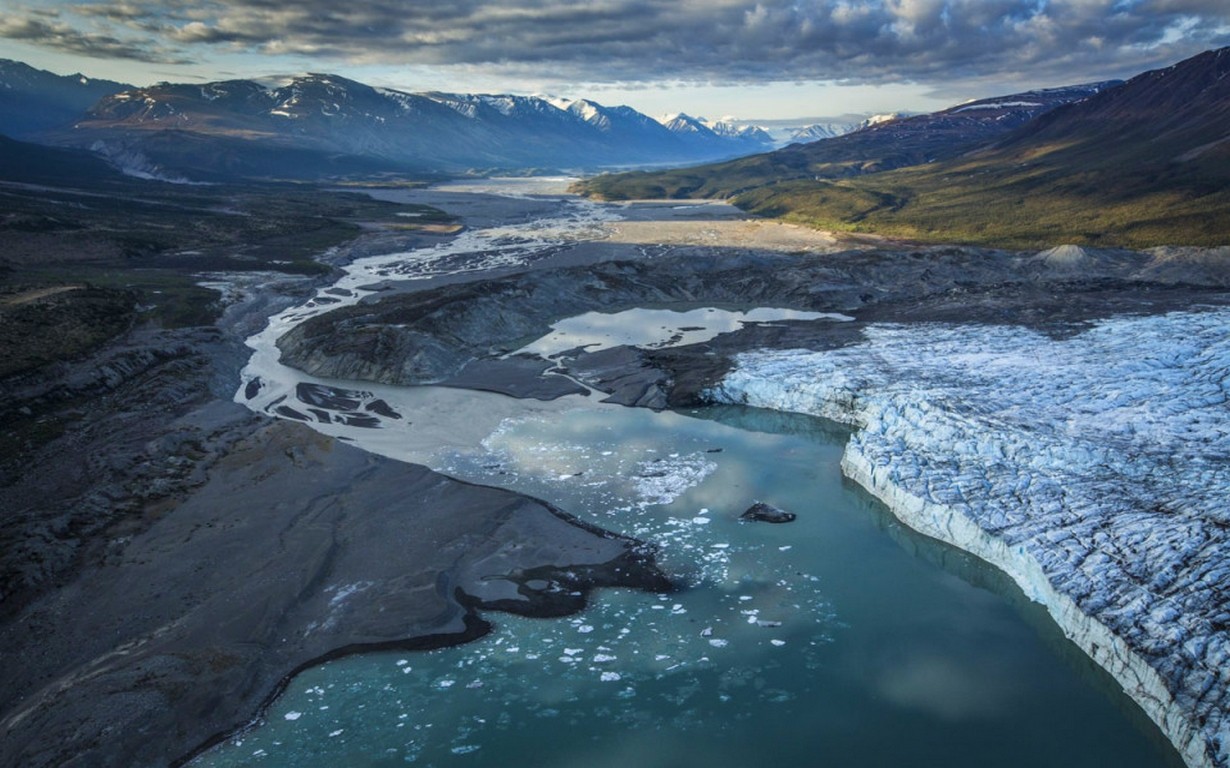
[
  {"x": 293, "y": 715},
  {"x": 701, "y": 520},
  {"x": 585, "y": 629},
  {"x": 338, "y": 732},
  {"x": 778, "y": 643},
  {"x": 600, "y": 658},
  {"x": 718, "y": 642},
  {"x": 610, "y": 677}
]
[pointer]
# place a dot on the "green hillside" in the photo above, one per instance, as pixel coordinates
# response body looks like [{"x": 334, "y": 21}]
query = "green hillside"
[{"x": 1143, "y": 164}]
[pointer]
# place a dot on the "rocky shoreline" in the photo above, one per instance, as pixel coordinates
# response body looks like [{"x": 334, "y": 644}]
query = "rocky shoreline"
[{"x": 172, "y": 559}]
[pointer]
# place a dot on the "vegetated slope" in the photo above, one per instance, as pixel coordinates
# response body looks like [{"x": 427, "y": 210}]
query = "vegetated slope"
[
  {"x": 877, "y": 147},
  {"x": 33, "y": 101},
  {"x": 319, "y": 124},
  {"x": 1144, "y": 164}
]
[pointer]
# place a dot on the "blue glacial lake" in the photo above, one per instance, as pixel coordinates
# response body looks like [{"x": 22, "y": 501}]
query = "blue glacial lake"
[{"x": 840, "y": 639}]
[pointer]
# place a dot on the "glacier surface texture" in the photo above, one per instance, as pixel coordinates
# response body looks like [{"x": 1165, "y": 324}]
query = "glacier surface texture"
[{"x": 1094, "y": 469}]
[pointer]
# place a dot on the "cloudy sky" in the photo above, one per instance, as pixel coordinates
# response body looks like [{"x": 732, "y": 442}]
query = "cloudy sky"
[{"x": 767, "y": 59}]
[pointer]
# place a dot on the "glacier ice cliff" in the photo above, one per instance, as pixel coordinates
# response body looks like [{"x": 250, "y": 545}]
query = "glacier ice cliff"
[{"x": 1095, "y": 470}]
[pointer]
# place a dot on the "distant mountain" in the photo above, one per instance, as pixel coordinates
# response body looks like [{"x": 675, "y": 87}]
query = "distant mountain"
[
  {"x": 700, "y": 132},
  {"x": 1143, "y": 163},
  {"x": 820, "y": 131},
  {"x": 884, "y": 143},
  {"x": 317, "y": 123},
  {"x": 33, "y": 101},
  {"x": 1180, "y": 114},
  {"x": 752, "y": 134}
]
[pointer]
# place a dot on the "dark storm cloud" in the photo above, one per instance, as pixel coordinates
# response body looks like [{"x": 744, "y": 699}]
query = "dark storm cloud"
[
  {"x": 724, "y": 41},
  {"x": 48, "y": 31}
]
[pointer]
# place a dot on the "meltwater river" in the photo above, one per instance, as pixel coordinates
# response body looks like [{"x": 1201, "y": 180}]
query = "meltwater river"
[{"x": 840, "y": 639}]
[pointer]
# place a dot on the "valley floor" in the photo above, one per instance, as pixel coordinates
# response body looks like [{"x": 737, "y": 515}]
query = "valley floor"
[{"x": 1061, "y": 414}]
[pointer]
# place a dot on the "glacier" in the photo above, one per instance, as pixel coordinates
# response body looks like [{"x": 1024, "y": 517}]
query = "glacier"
[{"x": 1094, "y": 469}]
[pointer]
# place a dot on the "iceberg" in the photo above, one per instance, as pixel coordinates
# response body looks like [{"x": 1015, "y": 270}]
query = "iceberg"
[{"x": 1093, "y": 469}]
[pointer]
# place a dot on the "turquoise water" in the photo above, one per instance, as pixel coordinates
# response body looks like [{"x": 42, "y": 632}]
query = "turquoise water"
[{"x": 840, "y": 639}]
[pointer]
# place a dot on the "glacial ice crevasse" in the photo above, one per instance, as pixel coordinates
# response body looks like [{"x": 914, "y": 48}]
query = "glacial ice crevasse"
[{"x": 1095, "y": 470}]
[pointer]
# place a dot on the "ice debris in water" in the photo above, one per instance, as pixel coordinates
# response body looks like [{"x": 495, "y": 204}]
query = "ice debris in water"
[{"x": 1096, "y": 465}]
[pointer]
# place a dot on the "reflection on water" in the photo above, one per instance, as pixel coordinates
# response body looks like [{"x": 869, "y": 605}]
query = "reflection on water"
[{"x": 819, "y": 642}]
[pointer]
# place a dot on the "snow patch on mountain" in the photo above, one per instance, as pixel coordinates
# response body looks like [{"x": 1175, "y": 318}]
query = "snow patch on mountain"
[
  {"x": 819, "y": 131},
  {"x": 1093, "y": 470},
  {"x": 875, "y": 120},
  {"x": 999, "y": 105}
]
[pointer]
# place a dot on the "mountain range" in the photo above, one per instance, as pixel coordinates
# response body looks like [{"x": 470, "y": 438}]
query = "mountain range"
[
  {"x": 315, "y": 125},
  {"x": 880, "y": 143},
  {"x": 1136, "y": 163},
  {"x": 33, "y": 102}
]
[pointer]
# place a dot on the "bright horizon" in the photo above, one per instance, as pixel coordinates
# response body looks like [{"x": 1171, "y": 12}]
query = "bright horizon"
[{"x": 772, "y": 60}]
